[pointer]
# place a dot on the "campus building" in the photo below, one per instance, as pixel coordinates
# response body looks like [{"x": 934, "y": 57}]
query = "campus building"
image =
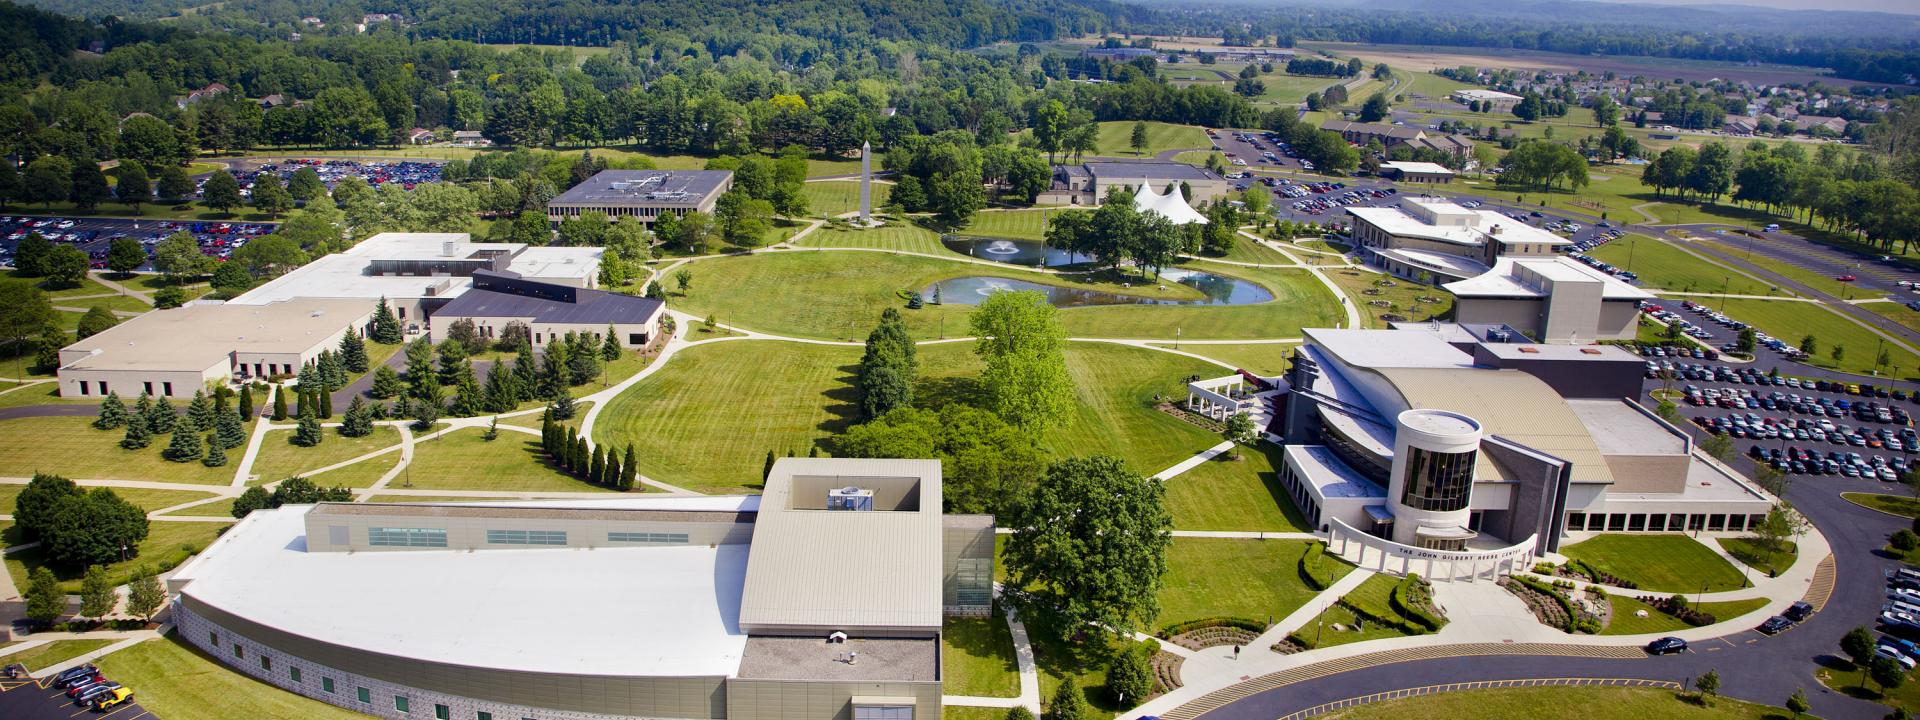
[
  {"x": 643, "y": 195},
  {"x": 551, "y": 310},
  {"x": 1418, "y": 173},
  {"x": 1499, "y": 269},
  {"x": 1393, "y": 137},
  {"x": 177, "y": 352},
  {"x": 1496, "y": 100},
  {"x": 1445, "y": 443},
  {"x": 1089, "y": 183},
  {"x": 821, "y": 598},
  {"x": 419, "y": 272}
]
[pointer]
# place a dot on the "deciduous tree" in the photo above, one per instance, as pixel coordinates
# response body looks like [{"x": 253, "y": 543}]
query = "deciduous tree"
[{"x": 1089, "y": 545}]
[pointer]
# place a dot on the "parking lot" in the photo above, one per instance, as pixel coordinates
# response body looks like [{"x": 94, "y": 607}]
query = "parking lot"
[
  {"x": 94, "y": 235},
  {"x": 40, "y": 700},
  {"x": 405, "y": 173}
]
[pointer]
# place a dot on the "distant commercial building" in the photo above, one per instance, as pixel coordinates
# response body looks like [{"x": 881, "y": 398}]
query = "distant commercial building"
[
  {"x": 1443, "y": 240},
  {"x": 1551, "y": 299},
  {"x": 1499, "y": 101},
  {"x": 419, "y": 272},
  {"x": 1088, "y": 183},
  {"x": 1424, "y": 173},
  {"x": 642, "y": 194},
  {"x": 821, "y": 598},
  {"x": 1447, "y": 446},
  {"x": 175, "y": 353},
  {"x": 1393, "y": 137},
  {"x": 1122, "y": 54},
  {"x": 551, "y": 310}
]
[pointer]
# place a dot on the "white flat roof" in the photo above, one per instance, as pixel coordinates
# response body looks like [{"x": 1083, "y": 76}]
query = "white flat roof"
[
  {"x": 1485, "y": 94},
  {"x": 1417, "y": 167},
  {"x": 344, "y": 274},
  {"x": 1459, "y": 265},
  {"x": 641, "y": 611},
  {"x": 557, "y": 262},
  {"x": 1618, "y": 429},
  {"x": 1504, "y": 280},
  {"x": 198, "y": 336},
  {"x": 1372, "y": 349},
  {"x": 704, "y": 503},
  {"x": 1329, "y": 476}
]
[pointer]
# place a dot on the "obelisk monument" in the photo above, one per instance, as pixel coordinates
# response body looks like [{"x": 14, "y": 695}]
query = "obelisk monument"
[{"x": 866, "y": 183}]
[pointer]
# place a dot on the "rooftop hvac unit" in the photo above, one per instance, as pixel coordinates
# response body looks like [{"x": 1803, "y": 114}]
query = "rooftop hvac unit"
[{"x": 850, "y": 498}]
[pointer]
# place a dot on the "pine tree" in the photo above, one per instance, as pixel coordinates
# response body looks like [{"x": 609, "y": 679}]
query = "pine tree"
[
  {"x": 200, "y": 412},
  {"x": 767, "y": 471},
  {"x": 1068, "y": 703},
  {"x": 612, "y": 477},
  {"x": 386, "y": 383},
  {"x": 229, "y": 431},
  {"x": 333, "y": 374},
  {"x": 303, "y": 402},
  {"x": 246, "y": 403},
  {"x": 353, "y": 352},
  {"x": 546, "y": 431},
  {"x": 279, "y": 402},
  {"x": 143, "y": 407},
  {"x": 427, "y": 412},
  {"x": 576, "y": 452},
  {"x": 113, "y": 413},
  {"x": 326, "y": 402},
  {"x": 386, "y": 327},
  {"x": 420, "y": 374},
  {"x": 492, "y": 432},
  {"x": 629, "y": 470},
  {"x": 216, "y": 455},
  {"x": 185, "y": 446},
  {"x": 162, "y": 418},
  {"x": 307, "y": 432},
  {"x": 499, "y": 396},
  {"x": 583, "y": 363},
  {"x": 562, "y": 407},
  {"x": 46, "y": 602},
  {"x": 468, "y": 401},
  {"x": 610, "y": 349},
  {"x": 139, "y": 434},
  {"x": 359, "y": 419},
  {"x": 553, "y": 370},
  {"x": 526, "y": 373},
  {"x": 96, "y": 593},
  {"x": 597, "y": 466}
]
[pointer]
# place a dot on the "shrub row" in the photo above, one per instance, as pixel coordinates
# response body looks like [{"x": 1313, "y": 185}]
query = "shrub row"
[
  {"x": 1601, "y": 576},
  {"x": 1677, "y": 607},
  {"x": 1315, "y": 567},
  {"x": 1566, "y": 605},
  {"x": 1208, "y": 622},
  {"x": 1413, "y": 599}
]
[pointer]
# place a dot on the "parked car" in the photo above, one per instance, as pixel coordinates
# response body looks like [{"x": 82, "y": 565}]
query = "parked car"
[
  {"x": 1799, "y": 611},
  {"x": 1666, "y": 646},
  {"x": 1775, "y": 625},
  {"x": 93, "y": 691},
  {"x": 1894, "y": 655},
  {"x": 70, "y": 675},
  {"x": 112, "y": 698}
]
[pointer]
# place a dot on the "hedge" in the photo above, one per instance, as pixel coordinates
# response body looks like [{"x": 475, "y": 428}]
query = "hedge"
[
  {"x": 1412, "y": 610},
  {"x": 1207, "y": 622},
  {"x": 1313, "y": 567}
]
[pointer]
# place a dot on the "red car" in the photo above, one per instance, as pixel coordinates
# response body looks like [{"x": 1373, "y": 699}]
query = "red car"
[{"x": 1846, "y": 278}]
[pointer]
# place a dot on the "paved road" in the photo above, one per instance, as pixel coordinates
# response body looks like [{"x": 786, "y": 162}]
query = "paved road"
[{"x": 1876, "y": 281}]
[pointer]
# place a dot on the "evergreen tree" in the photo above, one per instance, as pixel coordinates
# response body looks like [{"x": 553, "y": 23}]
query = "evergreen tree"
[
  {"x": 307, "y": 432},
  {"x": 358, "y": 421},
  {"x": 139, "y": 433},
  {"x": 246, "y": 402},
  {"x": 113, "y": 413},
  {"x": 597, "y": 466},
  {"x": 216, "y": 455},
  {"x": 325, "y": 401},
  {"x": 526, "y": 375},
  {"x": 612, "y": 477},
  {"x": 386, "y": 326},
  {"x": 386, "y": 383},
  {"x": 583, "y": 362},
  {"x": 353, "y": 352},
  {"x": 96, "y": 593},
  {"x": 162, "y": 418},
  {"x": 200, "y": 412},
  {"x": 279, "y": 402},
  {"x": 570, "y": 451},
  {"x": 1068, "y": 703},
  {"x": 332, "y": 373},
  {"x": 610, "y": 348},
  {"x": 493, "y": 430},
  {"x": 767, "y": 470},
  {"x": 562, "y": 407},
  {"x": 499, "y": 395},
  {"x": 302, "y": 402},
  {"x": 185, "y": 446},
  {"x": 427, "y": 411},
  {"x": 468, "y": 400},
  {"x": 229, "y": 431},
  {"x": 629, "y": 470},
  {"x": 553, "y": 370},
  {"x": 546, "y": 431},
  {"x": 421, "y": 380}
]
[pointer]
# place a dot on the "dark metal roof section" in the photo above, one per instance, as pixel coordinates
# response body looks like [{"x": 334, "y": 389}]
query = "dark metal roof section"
[{"x": 505, "y": 294}]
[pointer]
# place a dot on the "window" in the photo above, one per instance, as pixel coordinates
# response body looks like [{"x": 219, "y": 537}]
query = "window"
[
  {"x": 147, "y": 387},
  {"x": 166, "y": 388},
  {"x": 366, "y": 696},
  {"x": 213, "y": 638},
  {"x": 238, "y": 651},
  {"x": 83, "y": 387},
  {"x": 400, "y": 703},
  {"x": 103, "y": 387},
  {"x": 647, "y": 537},
  {"x": 1437, "y": 481},
  {"x": 883, "y": 712},
  {"x": 407, "y": 537},
  {"x": 526, "y": 537},
  {"x": 266, "y": 663},
  {"x": 483, "y": 715},
  {"x": 326, "y": 684},
  {"x": 636, "y": 338},
  {"x": 442, "y": 712},
  {"x": 293, "y": 672}
]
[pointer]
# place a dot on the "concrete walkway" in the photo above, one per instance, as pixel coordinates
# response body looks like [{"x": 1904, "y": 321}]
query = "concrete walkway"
[{"x": 1023, "y": 659}]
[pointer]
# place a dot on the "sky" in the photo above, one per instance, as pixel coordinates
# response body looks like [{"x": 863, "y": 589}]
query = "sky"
[{"x": 1910, "y": 7}]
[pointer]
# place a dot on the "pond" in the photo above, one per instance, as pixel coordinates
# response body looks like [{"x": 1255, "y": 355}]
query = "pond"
[
  {"x": 1219, "y": 290},
  {"x": 1018, "y": 252}
]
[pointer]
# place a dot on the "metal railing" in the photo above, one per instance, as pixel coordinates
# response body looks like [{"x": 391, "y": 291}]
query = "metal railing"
[{"x": 1337, "y": 705}]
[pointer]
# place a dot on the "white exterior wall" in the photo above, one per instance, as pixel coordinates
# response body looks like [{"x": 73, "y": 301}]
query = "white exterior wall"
[
  {"x": 1407, "y": 434},
  {"x": 130, "y": 383}
]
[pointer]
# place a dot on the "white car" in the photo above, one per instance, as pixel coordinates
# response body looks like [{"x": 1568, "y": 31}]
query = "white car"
[{"x": 1895, "y": 655}]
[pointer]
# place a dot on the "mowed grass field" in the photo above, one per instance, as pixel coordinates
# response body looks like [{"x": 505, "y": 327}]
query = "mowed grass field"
[
  {"x": 168, "y": 544},
  {"x": 145, "y": 499},
  {"x": 1561, "y": 703},
  {"x": 833, "y": 197},
  {"x": 70, "y": 446},
  {"x": 1116, "y": 138},
  {"x": 1790, "y": 321},
  {"x": 1240, "y": 495},
  {"x": 1658, "y": 563},
  {"x": 174, "y": 679},
  {"x": 899, "y": 236},
  {"x": 1625, "y": 621},
  {"x": 465, "y": 460},
  {"x": 839, "y": 295},
  {"x": 1264, "y": 359},
  {"x": 1016, "y": 224},
  {"x": 976, "y": 657},
  {"x": 1402, "y": 298},
  {"x": 280, "y": 459},
  {"x": 707, "y": 420},
  {"x": 1662, "y": 266},
  {"x": 1254, "y": 579}
]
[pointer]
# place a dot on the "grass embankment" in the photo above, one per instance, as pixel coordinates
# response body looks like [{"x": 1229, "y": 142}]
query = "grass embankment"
[
  {"x": 280, "y": 459},
  {"x": 465, "y": 460},
  {"x": 1792, "y": 321},
  {"x": 977, "y": 657},
  {"x": 1665, "y": 267},
  {"x": 1561, "y": 703},
  {"x": 168, "y": 544},
  {"x": 175, "y": 680},
  {"x": 1625, "y": 620},
  {"x": 1242, "y": 495},
  {"x": 1658, "y": 563},
  {"x": 1254, "y": 579}
]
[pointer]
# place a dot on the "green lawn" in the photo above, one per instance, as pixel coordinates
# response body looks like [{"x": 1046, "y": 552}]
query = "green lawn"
[
  {"x": 1016, "y": 224},
  {"x": 841, "y": 196},
  {"x": 1402, "y": 297},
  {"x": 1852, "y": 682},
  {"x": 845, "y": 293},
  {"x": 1116, "y": 138},
  {"x": 1663, "y": 266},
  {"x": 53, "y": 653},
  {"x": 1790, "y": 321},
  {"x": 1625, "y": 622},
  {"x": 1735, "y": 246},
  {"x": 1890, "y": 504},
  {"x": 1760, "y": 557},
  {"x": 900, "y": 236},
  {"x": 1434, "y": 87},
  {"x": 1241, "y": 495},
  {"x": 70, "y": 446},
  {"x": 176, "y": 680},
  {"x": 280, "y": 459},
  {"x": 464, "y": 460},
  {"x": 119, "y": 303},
  {"x": 1561, "y": 703},
  {"x": 1248, "y": 251},
  {"x": 1293, "y": 89},
  {"x": 168, "y": 544},
  {"x": 1265, "y": 359},
  {"x": 1254, "y": 579},
  {"x": 1373, "y": 595},
  {"x": 976, "y": 656},
  {"x": 1658, "y": 563},
  {"x": 967, "y": 712},
  {"x": 1896, "y": 310},
  {"x": 148, "y": 500},
  {"x": 1114, "y": 388}
]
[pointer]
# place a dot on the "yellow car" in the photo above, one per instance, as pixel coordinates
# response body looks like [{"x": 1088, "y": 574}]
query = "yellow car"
[{"x": 112, "y": 698}]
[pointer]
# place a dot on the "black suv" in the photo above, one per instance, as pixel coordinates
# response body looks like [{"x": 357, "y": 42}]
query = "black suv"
[
  {"x": 1799, "y": 611},
  {"x": 1775, "y": 625}
]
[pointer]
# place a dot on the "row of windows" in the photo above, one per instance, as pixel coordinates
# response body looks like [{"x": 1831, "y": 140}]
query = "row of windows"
[
  {"x": 1437, "y": 481},
  {"x": 400, "y": 702},
  {"x": 1660, "y": 522},
  {"x": 407, "y": 537},
  {"x": 526, "y": 537},
  {"x": 647, "y": 537}
]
